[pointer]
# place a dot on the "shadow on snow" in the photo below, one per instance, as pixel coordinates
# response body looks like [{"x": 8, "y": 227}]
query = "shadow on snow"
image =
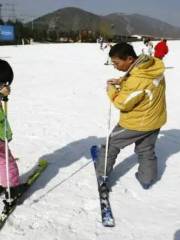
[
  {"x": 177, "y": 235},
  {"x": 62, "y": 158},
  {"x": 168, "y": 143}
]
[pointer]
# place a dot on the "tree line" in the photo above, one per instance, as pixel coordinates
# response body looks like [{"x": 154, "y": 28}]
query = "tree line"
[{"x": 25, "y": 33}]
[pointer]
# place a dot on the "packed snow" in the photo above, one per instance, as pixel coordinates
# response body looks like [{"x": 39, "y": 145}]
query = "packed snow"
[{"x": 58, "y": 108}]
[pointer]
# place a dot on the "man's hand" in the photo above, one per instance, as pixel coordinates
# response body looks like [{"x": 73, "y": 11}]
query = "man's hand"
[
  {"x": 5, "y": 91},
  {"x": 113, "y": 81}
]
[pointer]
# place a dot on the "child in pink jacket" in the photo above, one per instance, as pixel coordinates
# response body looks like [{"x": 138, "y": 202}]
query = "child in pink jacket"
[{"x": 6, "y": 77}]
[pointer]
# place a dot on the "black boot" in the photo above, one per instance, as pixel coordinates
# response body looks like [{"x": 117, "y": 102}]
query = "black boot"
[
  {"x": 2, "y": 189},
  {"x": 16, "y": 191}
]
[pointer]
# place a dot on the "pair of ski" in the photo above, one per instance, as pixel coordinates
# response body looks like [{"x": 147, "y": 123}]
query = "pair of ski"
[
  {"x": 106, "y": 211},
  {"x": 10, "y": 207}
]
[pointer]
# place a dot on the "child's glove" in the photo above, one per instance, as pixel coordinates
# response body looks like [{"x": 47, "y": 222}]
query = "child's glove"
[{"x": 5, "y": 91}]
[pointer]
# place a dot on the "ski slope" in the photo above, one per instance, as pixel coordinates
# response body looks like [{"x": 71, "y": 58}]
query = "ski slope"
[{"x": 58, "y": 108}]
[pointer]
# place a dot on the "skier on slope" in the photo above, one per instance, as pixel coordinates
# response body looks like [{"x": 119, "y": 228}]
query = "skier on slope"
[
  {"x": 161, "y": 49},
  {"x": 108, "y": 46},
  {"x": 6, "y": 78},
  {"x": 140, "y": 97},
  {"x": 148, "y": 47}
]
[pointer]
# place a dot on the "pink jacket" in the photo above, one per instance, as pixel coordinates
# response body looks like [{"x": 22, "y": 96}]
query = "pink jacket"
[{"x": 13, "y": 169}]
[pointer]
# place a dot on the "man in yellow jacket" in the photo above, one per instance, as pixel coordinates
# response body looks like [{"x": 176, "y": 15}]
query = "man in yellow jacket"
[{"x": 140, "y": 97}]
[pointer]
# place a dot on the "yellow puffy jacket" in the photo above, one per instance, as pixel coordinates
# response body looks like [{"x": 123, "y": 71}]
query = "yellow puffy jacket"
[{"x": 141, "y": 96}]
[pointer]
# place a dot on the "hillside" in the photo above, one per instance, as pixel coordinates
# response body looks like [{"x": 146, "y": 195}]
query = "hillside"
[{"x": 75, "y": 19}]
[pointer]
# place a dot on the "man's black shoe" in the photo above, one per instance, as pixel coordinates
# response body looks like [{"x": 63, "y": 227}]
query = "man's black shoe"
[{"x": 144, "y": 185}]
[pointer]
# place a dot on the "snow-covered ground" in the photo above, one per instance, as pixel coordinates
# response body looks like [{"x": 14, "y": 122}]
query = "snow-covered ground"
[{"x": 58, "y": 109}]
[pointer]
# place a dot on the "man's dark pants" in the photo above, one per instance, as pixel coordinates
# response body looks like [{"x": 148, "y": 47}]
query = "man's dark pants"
[{"x": 144, "y": 148}]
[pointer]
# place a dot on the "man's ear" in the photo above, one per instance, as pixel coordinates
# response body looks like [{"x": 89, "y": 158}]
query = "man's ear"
[{"x": 130, "y": 59}]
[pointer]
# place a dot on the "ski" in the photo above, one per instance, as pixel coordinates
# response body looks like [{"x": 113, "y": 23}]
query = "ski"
[
  {"x": 106, "y": 211},
  {"x": 9, "y": 207}
]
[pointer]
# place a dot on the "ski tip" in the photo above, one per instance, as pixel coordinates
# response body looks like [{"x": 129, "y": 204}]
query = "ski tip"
[
  {"x": 111, "y": 225},
  {"x": 108, "y": 223},
  {"x": 43, "y": 162}
]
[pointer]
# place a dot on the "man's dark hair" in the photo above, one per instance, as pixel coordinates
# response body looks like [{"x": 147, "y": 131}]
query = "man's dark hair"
[
  {"x": 122, "y": 50},
  {"x": 6, "y": 73}
]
